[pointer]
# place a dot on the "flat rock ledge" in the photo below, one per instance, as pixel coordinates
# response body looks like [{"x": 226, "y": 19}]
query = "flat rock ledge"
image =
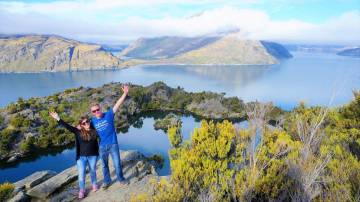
[{"x": 49, "y": 186}]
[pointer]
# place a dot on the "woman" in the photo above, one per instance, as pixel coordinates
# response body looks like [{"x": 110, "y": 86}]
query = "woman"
[{"x": 87, "y": 150}]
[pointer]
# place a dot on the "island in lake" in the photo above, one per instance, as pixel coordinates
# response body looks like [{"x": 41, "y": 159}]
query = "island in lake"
[{"x": 351, "y": 52}]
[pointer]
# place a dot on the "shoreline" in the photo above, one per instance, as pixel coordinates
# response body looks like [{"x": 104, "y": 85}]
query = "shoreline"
[{"x": 132, "y": 66}]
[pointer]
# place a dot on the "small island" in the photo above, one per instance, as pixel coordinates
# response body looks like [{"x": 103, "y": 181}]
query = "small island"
[
  {"x": 168, "y": 121},
  {"x": 352, "y": 52}
]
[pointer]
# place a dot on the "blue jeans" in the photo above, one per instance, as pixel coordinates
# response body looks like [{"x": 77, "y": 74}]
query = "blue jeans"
[
  {"x": 113, "y": 150},
  {"x": 81, "y": 166}
]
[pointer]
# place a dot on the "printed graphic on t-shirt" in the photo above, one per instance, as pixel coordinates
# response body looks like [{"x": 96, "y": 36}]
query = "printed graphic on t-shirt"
[{"x": 101, "y": 125}]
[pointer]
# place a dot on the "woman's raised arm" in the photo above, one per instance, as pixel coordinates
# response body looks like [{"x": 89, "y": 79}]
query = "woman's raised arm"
[{"x": 56, "y": 116}]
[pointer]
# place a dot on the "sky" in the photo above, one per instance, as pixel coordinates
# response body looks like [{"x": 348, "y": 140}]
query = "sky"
[{"x": 335, "y": 22}]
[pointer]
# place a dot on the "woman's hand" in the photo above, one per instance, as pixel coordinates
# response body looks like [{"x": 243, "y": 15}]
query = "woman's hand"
[{"x": 54, "y": 115}]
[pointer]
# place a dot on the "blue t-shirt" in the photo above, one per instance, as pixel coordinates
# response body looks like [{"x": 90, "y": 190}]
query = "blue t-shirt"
[{"x": 105, "y": 128}]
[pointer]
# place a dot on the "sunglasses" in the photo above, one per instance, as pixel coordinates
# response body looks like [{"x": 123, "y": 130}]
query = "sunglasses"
[
  {"x": 96, "y": 110},
  {"x": 85, "y": 122}
]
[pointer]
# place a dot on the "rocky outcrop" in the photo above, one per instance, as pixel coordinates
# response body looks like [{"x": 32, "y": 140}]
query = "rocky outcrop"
[
  {"x": 33, "y": 180},
  {"x": 34, "y": 53},
  {"x": 64, "y": 186},
  {"x": 20, "y": 197},
  {"x": 167, "y": 122},
  {"x": 48, "y": 187}
]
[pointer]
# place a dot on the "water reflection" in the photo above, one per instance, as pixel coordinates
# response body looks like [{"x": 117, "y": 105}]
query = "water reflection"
[{"x": 306, "y": 77}]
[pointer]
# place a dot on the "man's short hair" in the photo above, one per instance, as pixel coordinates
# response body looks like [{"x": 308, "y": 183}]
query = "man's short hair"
[{"x": 94, "y": 104}]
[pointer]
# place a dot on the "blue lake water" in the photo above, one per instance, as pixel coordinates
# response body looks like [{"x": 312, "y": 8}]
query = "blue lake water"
[{"x": 311, "y": 77}]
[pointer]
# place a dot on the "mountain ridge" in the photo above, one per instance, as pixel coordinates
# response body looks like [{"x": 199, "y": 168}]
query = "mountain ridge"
[
  {"x": 34, "y": 53},
  {"x": 52, "y": 53}
]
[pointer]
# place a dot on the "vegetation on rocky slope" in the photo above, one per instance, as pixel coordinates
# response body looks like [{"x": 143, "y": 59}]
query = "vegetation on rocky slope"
[
  {"x": 26, "y": 126},
  {"x": 313, "y": 154}
]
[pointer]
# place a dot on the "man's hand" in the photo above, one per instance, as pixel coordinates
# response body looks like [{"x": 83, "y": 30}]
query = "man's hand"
[
  {"x": 125, "y": 89},
  {"x": 54, "y": 115}
]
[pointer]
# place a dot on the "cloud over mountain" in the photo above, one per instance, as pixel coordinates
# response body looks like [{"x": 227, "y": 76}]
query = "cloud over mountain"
[{"x": 113, "y": 22}]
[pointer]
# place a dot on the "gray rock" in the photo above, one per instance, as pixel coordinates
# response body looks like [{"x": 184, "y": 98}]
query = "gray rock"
[
  {"x": 28, "y": 135},
  {"x": 28, "y": 113},
  {"x": 53, "y": 184},
  {"x": 14, "y": 157},
  {"x": 20, "y": 197},
  {"x": 34, "y": 179},
  {"x": 131, "y": 155}
]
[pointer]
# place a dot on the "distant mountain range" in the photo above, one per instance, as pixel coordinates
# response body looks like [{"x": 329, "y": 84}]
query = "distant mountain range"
[
  {"x": 33, "y": 53},
  {"x": 352, "y": 52}
]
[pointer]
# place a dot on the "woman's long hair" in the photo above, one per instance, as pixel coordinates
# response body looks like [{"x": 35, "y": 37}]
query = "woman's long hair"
[{"x": 86, "y": 135}]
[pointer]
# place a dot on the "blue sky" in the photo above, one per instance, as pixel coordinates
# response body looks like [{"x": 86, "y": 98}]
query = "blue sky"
[{"x": 105, "y": 21}]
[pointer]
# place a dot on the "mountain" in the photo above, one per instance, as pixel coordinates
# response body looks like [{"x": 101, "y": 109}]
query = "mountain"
[
  {"x": 227, "y": 49},
  {"x": 164, "y": 47},
  {"x": 352, "y": 52},
  {"x": 34, "y": 53}
]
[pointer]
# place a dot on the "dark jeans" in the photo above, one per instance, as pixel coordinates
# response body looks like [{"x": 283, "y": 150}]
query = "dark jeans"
[{"x": 113, "y": 150}]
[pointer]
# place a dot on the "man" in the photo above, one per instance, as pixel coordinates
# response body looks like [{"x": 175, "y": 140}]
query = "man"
[{"x": 104, "y": 125}]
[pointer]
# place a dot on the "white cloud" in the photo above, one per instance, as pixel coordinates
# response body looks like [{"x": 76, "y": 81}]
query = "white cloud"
[{"x": 80, "y": 20}]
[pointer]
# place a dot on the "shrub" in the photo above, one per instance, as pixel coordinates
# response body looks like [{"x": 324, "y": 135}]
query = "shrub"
[
  {"x": 44, "y": 141},
  {"x": 158, "y": 159},
  {"x": 19, "y": 121},
  {"x": 22, "y": 104},
  {"x": 27, "y": 145},
  {"x": 7, "y": 136},
  {"x": 12, "y": 108},
  {"x": 6, "y": 190},
  {"x": 1, "y": 120},
  {"x": 175, "y": 136}
]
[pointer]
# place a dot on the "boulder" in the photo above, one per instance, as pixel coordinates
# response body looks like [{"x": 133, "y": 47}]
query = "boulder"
[
  {"x": 20, "y": 197},
  {"x": 33, "y": 180},
  {"x": 53, "y": 184},
  {"x": 14, "y": 157}
]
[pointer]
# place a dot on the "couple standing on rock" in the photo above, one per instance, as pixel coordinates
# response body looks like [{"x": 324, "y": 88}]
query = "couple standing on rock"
[{"x": 87, "y": 148}]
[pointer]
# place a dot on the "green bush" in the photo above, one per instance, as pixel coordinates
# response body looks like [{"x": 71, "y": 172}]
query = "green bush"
[
  {"x": 175, "y": 136},
  {"x": 6, "y": 190},
  {"x": 234, "y": 104},
  {"x": 27, "y": 145},
  {"x": 19, "y": 121},
  {"x": 44, "y": 141},
  {"x": 1, "y": 120},
  {"x": 7, "y": 136},
  {"x": 158, "y": 159},
  {"x": 179, "y": 100},
  {"x": 12, "y": 108},
  {"x": 22, "y": 104}
]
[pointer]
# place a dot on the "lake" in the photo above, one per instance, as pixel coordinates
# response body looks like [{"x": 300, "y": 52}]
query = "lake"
[{"x": 315, "y": 78}]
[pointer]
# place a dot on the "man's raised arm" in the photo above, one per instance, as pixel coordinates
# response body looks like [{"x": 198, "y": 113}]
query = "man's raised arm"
[{"x": 118, "y": 103}]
